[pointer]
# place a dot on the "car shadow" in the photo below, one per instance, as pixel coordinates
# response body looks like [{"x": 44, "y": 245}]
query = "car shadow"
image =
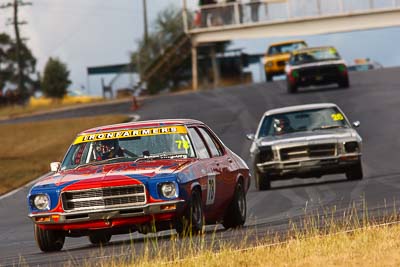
[
  {"x": 308, "y": 184},
  {"x": 138, "y": 240},
  {"x": 310, "y": 90}
]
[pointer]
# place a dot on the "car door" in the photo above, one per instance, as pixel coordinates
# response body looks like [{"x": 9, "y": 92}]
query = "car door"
[
  {"x": 224, "y": 174},
  {"x": 209, "y": 174}
]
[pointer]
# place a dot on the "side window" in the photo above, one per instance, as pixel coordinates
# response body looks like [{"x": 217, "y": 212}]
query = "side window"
[
  {"x": 265, "y": 128},
  {"x": 198, "y": 143},
  {"x": 212, "y": 144}
]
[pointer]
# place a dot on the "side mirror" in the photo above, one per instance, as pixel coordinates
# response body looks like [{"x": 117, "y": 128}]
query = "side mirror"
[
  {"x": 250, "y": 137},
  {"x": 54, "y": 166},
  {"x": 356, "y": 124}
]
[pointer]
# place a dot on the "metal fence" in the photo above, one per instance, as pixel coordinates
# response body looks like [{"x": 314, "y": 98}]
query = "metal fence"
[{"x": 248, "y": 12}]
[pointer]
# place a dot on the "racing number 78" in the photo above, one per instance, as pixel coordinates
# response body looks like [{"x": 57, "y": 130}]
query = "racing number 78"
[{"x": 182, "y": 143}]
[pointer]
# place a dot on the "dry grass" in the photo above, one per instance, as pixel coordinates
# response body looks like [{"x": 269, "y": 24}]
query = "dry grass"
[
  {"x": 367, "y": 246},
  {"x": 17, "y": 110},
  {"x": 349, "y": 237},
  {"x": 28, "y": 148}
]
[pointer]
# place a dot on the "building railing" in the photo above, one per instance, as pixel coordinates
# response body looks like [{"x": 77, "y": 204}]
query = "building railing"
[{"x": 249, "y": 12}]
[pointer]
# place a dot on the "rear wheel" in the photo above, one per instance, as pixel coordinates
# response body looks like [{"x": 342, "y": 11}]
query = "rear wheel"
[
  {"x": 291, "y": 88},
  {"x": 236, "y": 213},
  {"x": 99, "y": 238},
  {"x": 344, "y": 83},
  {"x": 355, "y": 173},
  {"x": 268, "y": 77},
  {"x": 193, "y": 220},
  {"x": 262, "y": 181},
  {"x": 49, "y": 240}
]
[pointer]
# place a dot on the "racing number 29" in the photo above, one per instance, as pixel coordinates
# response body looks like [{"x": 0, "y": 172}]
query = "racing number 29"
[{"x": 337, "y": 117}]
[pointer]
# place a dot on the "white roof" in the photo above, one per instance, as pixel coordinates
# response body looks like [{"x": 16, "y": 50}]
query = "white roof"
[{"x": 298, "y": 108}]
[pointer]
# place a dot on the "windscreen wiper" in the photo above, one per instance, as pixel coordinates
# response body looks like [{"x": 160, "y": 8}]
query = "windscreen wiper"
[
  {"x": 163, "y": 156},
  {"x": 99, "y": 162},
  {"x": 325, "y": 127}
]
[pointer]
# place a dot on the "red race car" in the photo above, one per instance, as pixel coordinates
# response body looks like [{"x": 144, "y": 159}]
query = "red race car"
[{"x": 139, "y": 176}]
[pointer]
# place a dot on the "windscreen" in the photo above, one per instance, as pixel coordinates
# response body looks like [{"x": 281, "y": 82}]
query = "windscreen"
[
  {"x": 316, "y": 55},
  {"x": 285, "y": 48},
  {"x": 305, "y": 120},
  {"x": 129, "y": 145}
]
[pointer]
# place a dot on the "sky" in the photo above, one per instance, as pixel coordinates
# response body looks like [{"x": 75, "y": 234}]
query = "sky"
[{"x": 85, "y": 33}]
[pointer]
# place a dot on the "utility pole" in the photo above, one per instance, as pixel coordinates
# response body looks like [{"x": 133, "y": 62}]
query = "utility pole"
[
  {"x": 15, "y": 22},
  {"x": 145, "y": 39},
  {"x": 146, "y": 36}
]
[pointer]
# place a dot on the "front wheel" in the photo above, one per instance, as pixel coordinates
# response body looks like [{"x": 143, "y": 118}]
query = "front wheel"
[
  {"x": 193, "y": 220},
  {"x": 268, "y": 77},
  {"x": 99, "y": 238},
  {"x": 262, "y": 181},
  {"x": 344, "y": 83},
  {"x": 49, "y": 240},
  {"x": 355, "y": 173},
  {"x": 236, "y": 214}
]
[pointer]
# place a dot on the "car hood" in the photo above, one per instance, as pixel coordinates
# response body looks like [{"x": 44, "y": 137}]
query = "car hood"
[
  {"x": 277, "y": 57},
  {"x": 318, "y": 64},
  {"x": 307, "y": 137},
  {"x": 142, "y": 171}
]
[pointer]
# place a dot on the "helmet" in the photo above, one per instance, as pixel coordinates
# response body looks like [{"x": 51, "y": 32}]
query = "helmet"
[
  {"x": 281, "y": 125},
  {"x": 107, "y": 149}
]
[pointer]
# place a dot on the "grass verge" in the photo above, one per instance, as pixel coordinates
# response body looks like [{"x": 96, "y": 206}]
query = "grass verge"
[
  {"x": 364, "y": 247},
  {"x": 330, "y": 237},
  {"x": 28, "y": 148},
  {"x": 8, "y": 112},
  {"x": 373, "y": 245}
]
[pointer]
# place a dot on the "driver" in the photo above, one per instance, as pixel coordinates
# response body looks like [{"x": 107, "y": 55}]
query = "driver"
[
  {"x": 282, "y": 125},
  {"x": 108, "y": 149}
]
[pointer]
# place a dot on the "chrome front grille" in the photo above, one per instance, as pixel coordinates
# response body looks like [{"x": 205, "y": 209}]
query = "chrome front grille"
[
  {"x": 281, "y": 63},
  {"x": 308, "y": 152},
  {"x": 102, "y": 198},
  {"x": 328, "y": 70}
]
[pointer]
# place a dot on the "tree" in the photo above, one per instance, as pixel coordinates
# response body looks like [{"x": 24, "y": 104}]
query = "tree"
[
  {"x": 55, "y": 78},
  {"x": 19, "y": 46},
  {"x": 166, "y": 31},
  {"x": 9, "y": 63},
  {"x": 168, "y": 25},
  {"x": 167, "y": 28},
  {"x": 6, "y": 68}
]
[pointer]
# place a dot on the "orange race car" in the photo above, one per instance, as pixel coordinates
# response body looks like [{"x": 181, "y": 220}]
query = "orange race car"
[{"x": 278, "y": 55}]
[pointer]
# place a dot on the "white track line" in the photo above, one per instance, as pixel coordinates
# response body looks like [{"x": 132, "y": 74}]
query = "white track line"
[
  {"x": 133, "y": 117},
  {"x": 23, "y": 187}
]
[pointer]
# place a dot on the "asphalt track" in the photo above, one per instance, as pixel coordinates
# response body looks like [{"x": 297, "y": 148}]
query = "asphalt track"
[{"x": 373, "y": 99}]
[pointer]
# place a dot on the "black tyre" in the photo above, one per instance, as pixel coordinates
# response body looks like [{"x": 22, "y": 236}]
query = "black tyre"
[
  {"x": 49, "y": 240},
  {"x": 193, "y": 220},
  {"x": 355, "y": 173},
  {"x": 99, "y": 238},
  {"x": 344, "y": 83},
  {"x": 262, "y": 181},
  {"x": 235, "y": 216},
  {"x": 291, "y": 88},
  {"x": 268, "y": 77}
]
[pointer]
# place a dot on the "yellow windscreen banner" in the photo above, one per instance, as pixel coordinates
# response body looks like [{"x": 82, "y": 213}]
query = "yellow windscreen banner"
[{"x": 130, "y": 133}]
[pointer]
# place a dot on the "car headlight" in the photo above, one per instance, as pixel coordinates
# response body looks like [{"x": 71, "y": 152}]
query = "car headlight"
[
  {"x": 270, "y": 63},
  {"x": 351, "y": 147},
  {"x": 169, "y": 190},
  {"x": 41, "y": 202},
  {"x": 266, "y": 154}
]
